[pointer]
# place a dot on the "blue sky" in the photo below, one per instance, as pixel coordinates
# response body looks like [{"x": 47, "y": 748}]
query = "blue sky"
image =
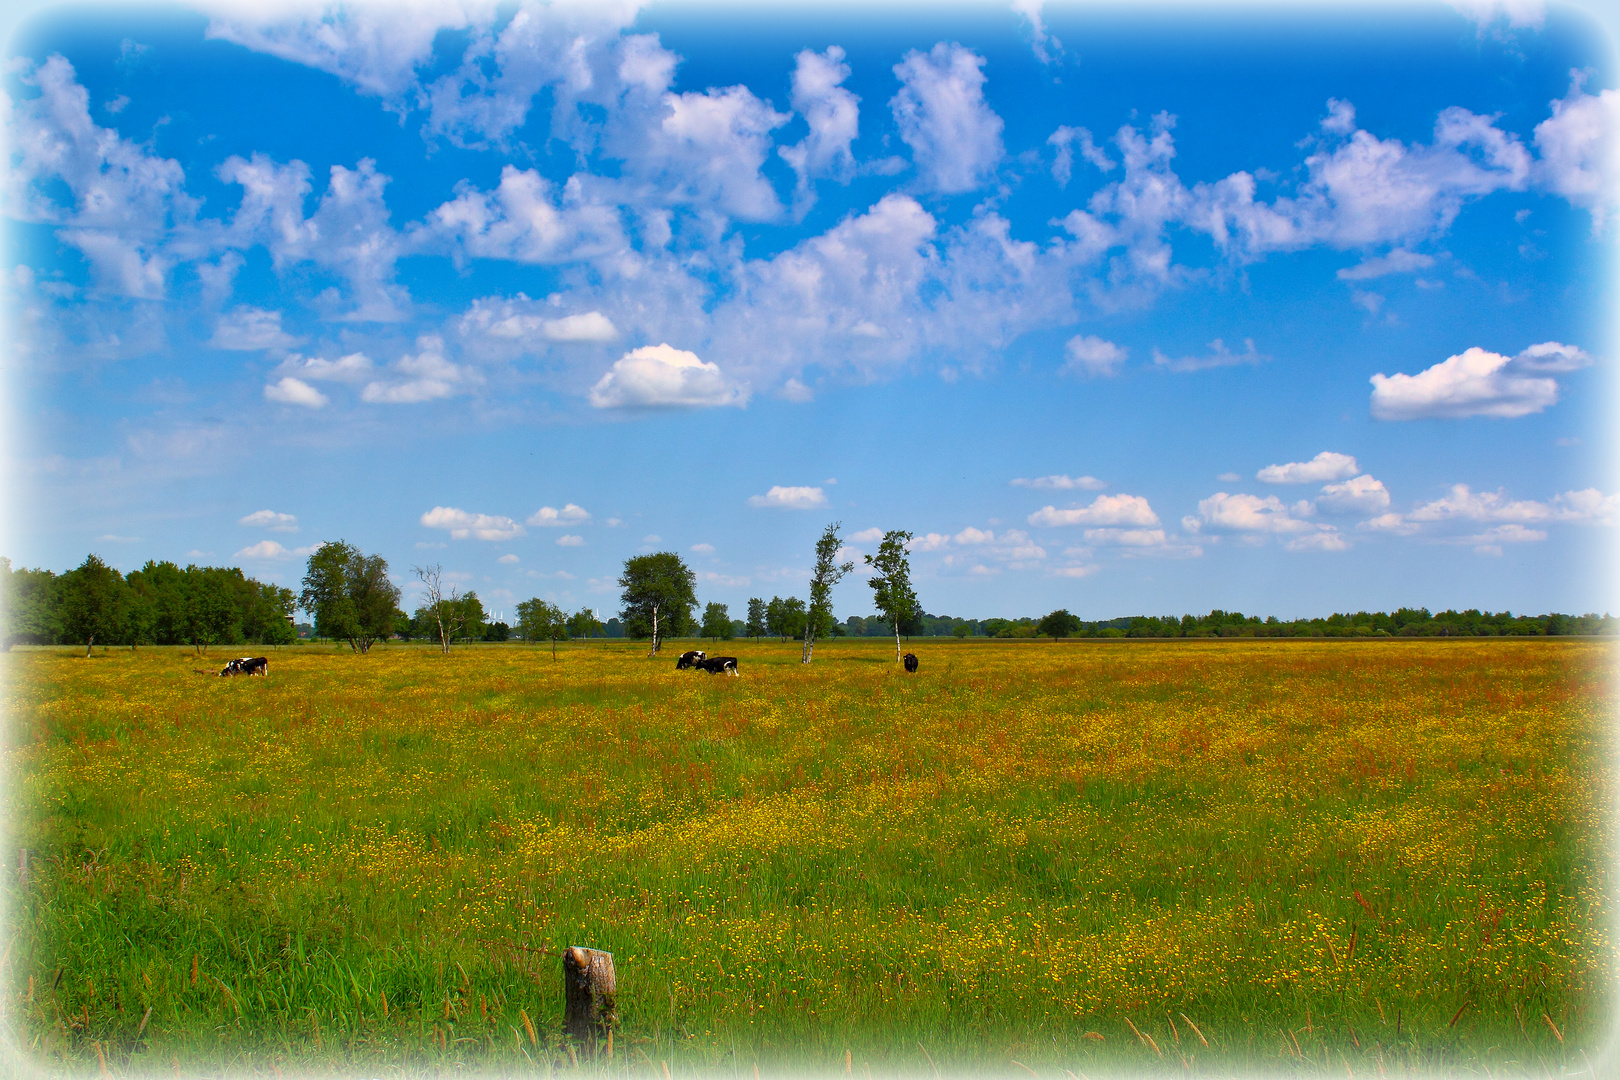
[{"x": 1127, "y": 311}]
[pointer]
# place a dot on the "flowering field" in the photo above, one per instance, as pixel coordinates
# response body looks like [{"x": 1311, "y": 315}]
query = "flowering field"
[{"x": 1083, "y": 856}]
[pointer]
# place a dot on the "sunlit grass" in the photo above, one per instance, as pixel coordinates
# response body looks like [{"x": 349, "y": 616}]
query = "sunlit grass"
[{"x": 1284, "y": 855}]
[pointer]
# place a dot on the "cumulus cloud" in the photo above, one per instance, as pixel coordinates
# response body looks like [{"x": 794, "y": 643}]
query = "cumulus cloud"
[
  {"x": 1323, "y": 467},
  {"x": 526, "y": 219},
  {"x": 955, "y": 138},
  {"x": 269, "y": 550},
  {"x": 426, "y": 376},
  {"x": 355, "y": 367},
  {"x": 832, "y": 112},
  {"x": 551, "y": 517},
  {"x": 270, "y": 519},
  {"x": 570, "y": 540},
  {"x": 1217, "y": 356},
  {"x": 1251, "y": 513},
  {"x": 661, "y": 376},
  {"x": 792, "y": 498},
  {"x": 1323, "y": 540},
  {"x": 1061, "y": 482},
  {"x": 1477, "y": 383},
  {"x": 1125, "y": 537},
  {"x": 1357, "y": 495},
  {"x": 463, "y": 525},
  {"x": 866, "y": 536},
  {"x": 291, "y": 391},
  {"x": 1464, "y": 503},
  {"x": 1105, "y": 510},
  {"x": 508, "y": 560},
  {"x": 1580, "y": 150},
  {"x": 1588, "y": 506},
  {"x": 1089, "y": 355},
  {"x": 250, "y": 329}
]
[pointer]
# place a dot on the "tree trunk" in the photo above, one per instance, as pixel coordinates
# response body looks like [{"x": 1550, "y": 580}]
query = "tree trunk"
[
  {"x": 90, "y": 645},
  {"x": 809, "y": 643},
  {"x": 897, "y": 640},
  {"x": 655, "y": 631},
  {"x": 588, "y": 990}
]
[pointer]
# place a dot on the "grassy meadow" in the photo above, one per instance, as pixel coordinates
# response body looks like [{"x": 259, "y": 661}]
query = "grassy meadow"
[{"x": 1083, "y": 858}]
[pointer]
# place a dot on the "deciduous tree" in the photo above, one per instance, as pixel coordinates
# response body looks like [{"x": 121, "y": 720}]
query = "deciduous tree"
[
  {"x": 755, "y": 627},
  {"x": 717, "y": 622},
  {"x": 350, "y": 595},
  {"x": 95, "y": 603},
  {"x": 1058, "y": 624},
  {"x": 891, "y": 583},
  {"x": 827, "y": 573},
  {"x": 658, "y": 594},
  {"x": 539, "y": 620}
]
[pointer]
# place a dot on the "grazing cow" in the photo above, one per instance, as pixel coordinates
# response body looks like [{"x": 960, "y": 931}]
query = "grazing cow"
[
  {"x": 714, "y": 665},
  {"x": 911, "y": 662},
  {"x": 247, "y": 665},
  {"x": 690, "y": 659}
]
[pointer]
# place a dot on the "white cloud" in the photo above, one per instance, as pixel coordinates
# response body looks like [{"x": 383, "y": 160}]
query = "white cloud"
[
  {"x": 355, "y": 367},
  {"x": 1588, "y": 506},
  {"x": 1516, "y": 14},
  {"x": 1045, "y": 47},
  {"x": 1504, "y": 534},
  {"x": 1396, "y": 262},
  {"x": 1468, "y": 505},
  {"x": 568, "y": 540},
  {"x": 1475, "y": 383},
  {"x": 940, "y": 110},
  {"x": 661, "y": 376},
  {"x": 1251, "y": 513},
  {"x": 1075, "y": 571},
  {"x": 1218, "y": 356},
  {"x": 703, "y": 549},
  {"x": 508, "y": 560},
  {"x": 1105, "y": 510},
  {"x": 1357, "y": 495},
  {"x": 269, "y": 519},
  {"x": 268, "y": 550},
  {"x": 249, "y": 329},
  {"x": 109, "y": 538},
  {"x": 1063, "y": 140},
  {"x": 1324, "y": 466},
  {"x": 126, "y": 209},
  {"x": 866, "y": 536},
  {"x": 970, "y": 535},
  {"x": 1061, "y": 483},
  {"x": 549, "y": 517},
  {"x": 1089, "y": 355},
  {"x": 427, "y": 376},
  {"x": 1389, "y": 523},
  {"x": 1325, "y": 540},
  {"x": 707, "y": 149},
  {"x": 790, "y": 498},
  {"x": 589, "y": 326},
  {"x": 832, "y": 112},
  {"x": 463, "y": 525},
  {"x": 1580, "y": 150},
  {"x": 290, "y": 391},
  {"x": 525, "y": 220}
]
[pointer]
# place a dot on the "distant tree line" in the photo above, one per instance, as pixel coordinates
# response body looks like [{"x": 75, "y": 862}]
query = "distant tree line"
[
  {"x": 351, "y": 598},
  {"x": 159, "y": 604}
]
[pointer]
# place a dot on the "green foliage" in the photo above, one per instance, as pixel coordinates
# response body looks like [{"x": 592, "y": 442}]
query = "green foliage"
[
  {"x": 95, "y": 603},
  {"x": 584, "y": 624},
  {"x": 540, "y": 620},
  {"x": 827, "y": 573},
  {"x": 30, "y": 605},
  {"x": 658, "y": 593},
  {"x": 785, "y": 618},
  {"x": 717, "y": 622},
  {"x": 1058, "y": 624},
  {"x": 891, "y": 584},
  {"x": 755, "y": 627},
  {"x": 350, "y": 595}
]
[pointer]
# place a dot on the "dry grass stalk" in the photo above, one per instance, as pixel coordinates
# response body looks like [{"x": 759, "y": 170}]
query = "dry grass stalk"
[
  {"x": 385, "y": 1004},
  {"x": 193, "y": 969},
  {"x": 1196, "y": 1031},
  {"x": 849, "y": 1063},
  {"x": 1026, "y": 1068},
  {"x": 1145, "y": 1040},
  {"x": 1554, "y": 1029},
  {"x": 665, "y": 1066},
  {"x": 528, "y": 1025},
  {"x": 1457, "y": 1015}
]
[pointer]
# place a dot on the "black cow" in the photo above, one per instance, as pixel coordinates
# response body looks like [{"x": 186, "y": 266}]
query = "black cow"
[
  {"x": 690, "y": 659},
  {"x": 247, "y": 665},
  {"x": 714, "y": 665},
  {"x": 911, "y": 662}
]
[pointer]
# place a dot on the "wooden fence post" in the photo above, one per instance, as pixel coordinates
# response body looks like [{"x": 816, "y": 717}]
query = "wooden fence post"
[{"x": 589, "y": 985}]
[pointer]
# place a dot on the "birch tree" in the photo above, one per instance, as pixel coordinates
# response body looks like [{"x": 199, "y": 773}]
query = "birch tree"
[
  {"x": 442, "y": 612},
  {"x": 659, "y": 592},
  {"x": 828, "y": 572},
  {"x": 891, "y": 582}
]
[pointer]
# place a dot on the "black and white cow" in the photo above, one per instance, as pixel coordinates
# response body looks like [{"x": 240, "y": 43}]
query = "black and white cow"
[
  {"x": 247, "y": 665},
  {"x": 714, "y": 665},
  {"x": 911, "y": 662},
  {"x": 691, "y": 659}
]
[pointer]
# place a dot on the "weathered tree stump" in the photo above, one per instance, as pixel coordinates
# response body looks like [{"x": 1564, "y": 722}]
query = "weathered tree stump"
[{"x": 589, "y": 986}]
